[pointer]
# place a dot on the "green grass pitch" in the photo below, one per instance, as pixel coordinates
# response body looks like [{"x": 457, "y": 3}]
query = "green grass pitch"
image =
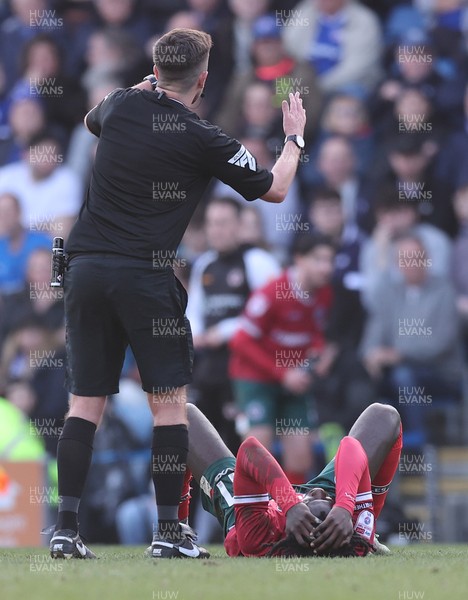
[{"x": 418, "y": 572}]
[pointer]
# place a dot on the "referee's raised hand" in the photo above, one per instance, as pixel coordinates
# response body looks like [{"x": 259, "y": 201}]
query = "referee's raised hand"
[
  {"x": 294, "y": 120},
  {"x": 294, "y": 115}
]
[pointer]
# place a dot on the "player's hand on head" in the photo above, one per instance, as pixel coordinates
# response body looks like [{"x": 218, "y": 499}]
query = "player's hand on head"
[
  {"x": 294, "y": 115},
  {"x": 334, "y": 531},
  {"x": 300, "y": 522}
]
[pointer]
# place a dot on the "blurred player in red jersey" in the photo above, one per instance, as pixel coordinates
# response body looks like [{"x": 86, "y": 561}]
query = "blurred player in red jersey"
[
  {"x": 262, "y": 514},
  {"x": 279, "y": 348}
]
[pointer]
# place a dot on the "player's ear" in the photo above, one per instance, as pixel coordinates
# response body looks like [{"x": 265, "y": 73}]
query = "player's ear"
[
  {"x": 155, "y": 71},
  {"x": 202, "y": 79}
]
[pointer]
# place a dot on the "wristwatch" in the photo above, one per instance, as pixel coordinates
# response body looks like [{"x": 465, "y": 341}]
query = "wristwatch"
[
  {"x": 152, "y": 79},
  {"x": 297, "y": 139}
]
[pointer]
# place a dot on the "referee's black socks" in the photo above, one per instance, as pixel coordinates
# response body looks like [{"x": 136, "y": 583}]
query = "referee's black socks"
[
  {"x": 168, "y": 466},
  {"x": 74, "y": 453}
]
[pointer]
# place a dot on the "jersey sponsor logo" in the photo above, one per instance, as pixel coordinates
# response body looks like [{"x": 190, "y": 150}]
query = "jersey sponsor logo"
[
  {"x": 290, "y": 339},
  {"x": 365, "y": 524},
  {"x": 243, "y": 158},
  {"x": 222, "y": 473},
  {"x": 205, "y": 486},
  {"x": 362, "y": 505}
]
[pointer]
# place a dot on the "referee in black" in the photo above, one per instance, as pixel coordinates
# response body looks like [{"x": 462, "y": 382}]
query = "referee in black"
[{"x": 154, "y": 160}]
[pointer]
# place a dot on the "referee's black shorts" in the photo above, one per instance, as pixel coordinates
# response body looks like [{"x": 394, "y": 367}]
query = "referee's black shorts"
[{"x": 113, "y": 301}]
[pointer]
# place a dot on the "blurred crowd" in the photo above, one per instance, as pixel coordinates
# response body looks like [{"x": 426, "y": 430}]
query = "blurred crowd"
[{"x": 384, "y": 176}]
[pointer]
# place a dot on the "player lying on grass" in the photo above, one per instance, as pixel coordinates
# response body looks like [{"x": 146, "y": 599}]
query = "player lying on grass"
[{"x": 263, "y": 515}]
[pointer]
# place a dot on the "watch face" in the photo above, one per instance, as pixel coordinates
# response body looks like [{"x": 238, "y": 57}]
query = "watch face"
[{"x": 300, "y": 141}]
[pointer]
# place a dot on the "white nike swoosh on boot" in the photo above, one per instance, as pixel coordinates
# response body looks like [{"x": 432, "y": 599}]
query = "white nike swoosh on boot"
[
  {"x": 81, "y": 548},
  {"x": 193, "y": 553}
]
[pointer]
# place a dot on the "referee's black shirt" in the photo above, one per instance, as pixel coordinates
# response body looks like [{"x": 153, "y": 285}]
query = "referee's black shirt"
[{"x": 153, "y": 162}]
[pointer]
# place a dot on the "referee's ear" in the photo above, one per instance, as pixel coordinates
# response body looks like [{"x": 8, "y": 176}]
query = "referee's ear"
[{"x": 203, "y": 78}]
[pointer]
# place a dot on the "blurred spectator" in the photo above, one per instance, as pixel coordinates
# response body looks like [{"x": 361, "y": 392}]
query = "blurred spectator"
[
  {"x": 28, "y": 19},
  {"x": 395, "y": 217},
  {"x": 50, "y": 193},
  {"x": 259, "y": 115},
  {"x": 36, "y": 302},
  {"x": 336, "y": 167},
  {"x": 193, "y": 243},
  {"x": 344, "y": 389},
  {"x": 159, "y": 12},
  {"x": 213, "y": 17},
  {"x": 415, "y": 66},
  {"x": 326, "y": 216},
  {"x": 444, "y": 20},
  {"x": 412, "y": 336},
  {"x": 465, "y": 110},
  {"x": 20, "y": 393},
  {"x": 43, "y": 77},
  {"x": 383, "y": 7},
  {"x": 345, "y": 115},
  {"x": 4, "y": 105},
  {"x": 208, "y": 12},
  {"x": 281, "y": 335},
  {"x": 220, "y": 283},
  {"x": 251, "y": 231},
  {"x": 124, "y": 15},
  {"x": 26, "y": 118},
  {"x": 340, "y": 38},
  {"x": 412, "y": 113},
  {"x": 112, "y": 53},
  {"x": 79, "y": 21},
  {"x": 412, "y": 170},
  {"x": 83, "y": 143},
  {"x": 184, "y": 19},
  {"x": 273, "y": 66},
  {"x": 30, "y": 353},
  {"x": 460, "y": 259},
  {"x": 16, "y": 245},
  {"x": 236, "y": 30},
  {"x": 33, "y": 349}
]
